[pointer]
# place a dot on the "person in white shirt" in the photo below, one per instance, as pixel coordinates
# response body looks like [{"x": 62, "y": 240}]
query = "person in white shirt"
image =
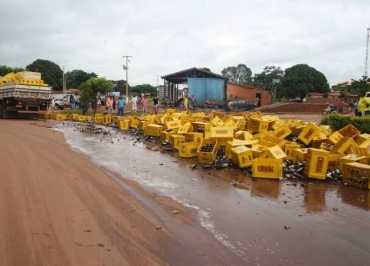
[{"x": 134, "y": 104}]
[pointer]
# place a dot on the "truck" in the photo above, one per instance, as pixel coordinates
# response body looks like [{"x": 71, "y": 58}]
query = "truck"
[{"x": 23, "y": 95}]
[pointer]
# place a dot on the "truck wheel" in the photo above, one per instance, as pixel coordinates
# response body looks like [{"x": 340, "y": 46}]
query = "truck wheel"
[{"x": 57, "y": 107}]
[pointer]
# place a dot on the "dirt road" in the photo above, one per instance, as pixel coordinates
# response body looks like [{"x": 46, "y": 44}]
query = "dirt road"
[{"x": 57, "y": 208}]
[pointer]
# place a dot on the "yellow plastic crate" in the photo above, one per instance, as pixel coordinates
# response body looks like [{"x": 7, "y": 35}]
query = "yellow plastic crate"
[
  {"x": 193, "y": 137},
  {"x": 185, "y": 128},
  {"x": 242, "y": 156},
  {"x": 316, "y": 163},
  {"x": 221, "y": 132},
  {"x": 308, "y": 133},
  {"x": 335, "y": 137},
  {"x": 165, "y": 135},
  {"x": 351, "y": 158},
  {"x": 174, "y": 124},
  {"x": 232, "y": 144},
  {"x": 267, "y": 168},
  {"x": 344, "y": 146},
  {"x": 176, "y": 140},
  {"x": 170, "y": 111},
  {"x": 357, "y": 175},
  {"x": 257, "y": 150},
  {"x": 202, "y": 127},
  {"x": 98, "y": 120},
  {"x": 88, "y": 118},
  {"x": 75, "y": 116},
  {"x": 81, "y": 118},
  {"x": 270, "y": 140},
  {"x": 108, "y": 119},
  {"x": 333, "y": 162},
  {"x": 243, "y": 135},
  {"x": 362, "y": 138},
  {"x": 124, "y": 124},
  {"x": 188, "y": 149},
  {"x": 282, "y": 131},
  {"x": 217, "y": 122},
  {"x": 274, "y": 152},
  {"x": 61, "y": 117},
  {"x": 349, "y": 131},
  {"x": 207, "y": 151},
  {"x": 153, "y": 130},
  {"x": 134, "y": 123},
  {"x": 289, "y": 148},
  {"x": 257, "y": 125},
  {"x": 299, "y": 155}
]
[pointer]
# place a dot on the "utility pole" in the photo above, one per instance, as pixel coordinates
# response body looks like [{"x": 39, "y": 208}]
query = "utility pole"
[
  {"x": 64, "y": 83},
  {"x": 367, "y": 52},
  {"x": 125, "y": 67}
]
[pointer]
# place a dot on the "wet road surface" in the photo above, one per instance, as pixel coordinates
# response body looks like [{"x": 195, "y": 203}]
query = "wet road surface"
[{"x": 263, "y": 222}]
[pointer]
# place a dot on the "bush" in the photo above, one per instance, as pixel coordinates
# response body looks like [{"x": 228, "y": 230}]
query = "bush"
[{"x": 336, "y": 122}]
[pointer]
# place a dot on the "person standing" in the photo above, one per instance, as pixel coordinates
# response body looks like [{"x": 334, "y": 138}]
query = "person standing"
[
  {"x": 256, "y": 101},
  {"x": 155, "y": 103},
  {"x": 52, "y": 104},
  {"x": 363, "y": 105},
  {"x": 121, "y": 106},
  {"x": 193, "y": 101},
  {"x": 186, "y": 102},
  {"x": 114, "y": 102},
  {"x": 72, "y": 102},
  {"x": 144, "y": 104},
  {"x": 109, "y": 104},
  {"x": 341, "y": 105},
  {"x": 134, "y": 104}
]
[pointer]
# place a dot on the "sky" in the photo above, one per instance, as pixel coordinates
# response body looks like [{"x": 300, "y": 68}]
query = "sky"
[{"x": 166, "y": 36}]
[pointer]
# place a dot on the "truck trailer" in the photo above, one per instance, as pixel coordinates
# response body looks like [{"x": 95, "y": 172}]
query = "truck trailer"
[{"x": 23, "y": 95}]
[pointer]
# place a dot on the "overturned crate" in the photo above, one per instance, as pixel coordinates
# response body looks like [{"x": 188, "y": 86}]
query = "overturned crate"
[
  {"x": 357, "y": 175},
  {"x": 267, "y": 168}
]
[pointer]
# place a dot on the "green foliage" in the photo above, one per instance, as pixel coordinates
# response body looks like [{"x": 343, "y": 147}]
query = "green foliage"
[
  {"x": 6, "y": 70},
  {"x": 120, "y": 85},
  {"x": 264, "y": 79},
  {"x": 240, "y": 74},
  {"x": 300, "y": 79},
  {"x": 358, "y": 86},
  {"x": 50, "y": 72},
  {"x": 144, "y": 88},
  {"x": 336, "y": 122},
  {"x": 76, "y": 77},
  {"x": 93, "y": 87}
]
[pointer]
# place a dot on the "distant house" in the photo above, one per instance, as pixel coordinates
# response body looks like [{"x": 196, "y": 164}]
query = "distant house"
[{"x": 248, "y": 93}]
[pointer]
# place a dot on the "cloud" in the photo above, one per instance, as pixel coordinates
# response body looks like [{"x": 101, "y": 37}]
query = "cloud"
[{"x": 167, "y": 36}]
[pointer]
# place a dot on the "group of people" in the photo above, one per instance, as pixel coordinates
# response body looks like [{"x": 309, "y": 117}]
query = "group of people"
[{"x": 361, "y": 107}]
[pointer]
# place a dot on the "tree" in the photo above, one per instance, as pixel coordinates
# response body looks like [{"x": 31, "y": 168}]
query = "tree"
[
  {"x": 264, "y": 79},
  {"x": 90, "y": 89},
  {"x": 50, "y": 72},
  {"x": 76, "y": 77},
  {"x": 358, "y": 86},
  {"x": 240, "y": 74},
  {"x": 301, "y": 79},
  {"x": 119, "y": 85},
  {"x": 6, "y": 70},
  {"x": 144, "y": 88}
]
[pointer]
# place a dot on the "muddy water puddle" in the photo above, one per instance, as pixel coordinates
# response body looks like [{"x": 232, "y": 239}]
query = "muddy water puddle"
[{"x": 259, "y": 220}]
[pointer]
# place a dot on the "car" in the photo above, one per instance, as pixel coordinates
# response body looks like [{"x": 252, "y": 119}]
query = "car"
[
  {"x": 60, "y": 104},
  {"x": 241, "y": 105}
]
